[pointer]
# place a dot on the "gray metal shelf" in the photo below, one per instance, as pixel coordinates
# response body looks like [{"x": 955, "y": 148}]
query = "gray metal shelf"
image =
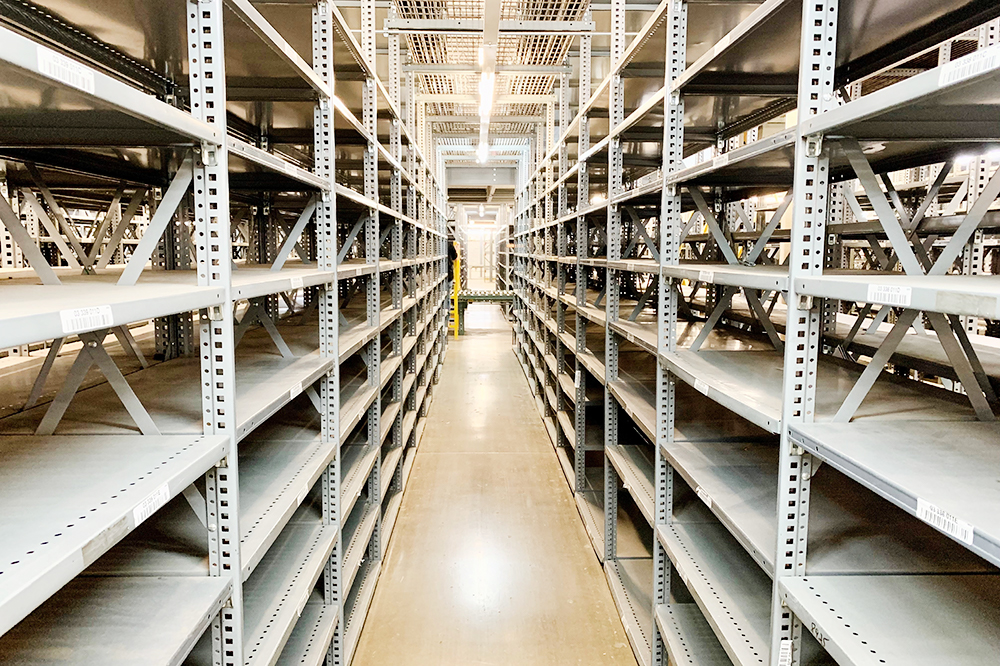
[
  {"x": 108, "y": 487},
  {"x": 937, "y": 471},
  {"x": 933, "y": 619},
  {"x": 731, "y": 590},
  {"x": 278, "y": 590},
  {"x": 118, "y": 621},
  {"x": 631, "y": 581},
  {"x": 308, "y": 644},
  {"x": 849, "y": 530},
  {"x": 356, "y": 606},
  {"x": 275, "y": 479},
  {"x": 976, "y": 295},
  {"x": 689, "y": 639}
]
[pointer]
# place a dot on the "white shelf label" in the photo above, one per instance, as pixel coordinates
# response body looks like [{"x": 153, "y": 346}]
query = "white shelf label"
[
  {"x": 785, "y": 652},
  {"x": 578, "y": 379},
  {"x": 704, "y": 496},
  {"x": 65, "y": 70},
  {"x": 701, "y": 387},
  {"x": 86, "y": 319},
  {"x": 706, "y": 276},
  {"x": 296, "y": 283},
  {"x": 971, "y": 65},
  {"x": 944, "y": 521},
  {"x": 150, "y": 505},
  {"x": 720, "y": 161},
  {"x": 890, "y": 294},
  {"x": 295, "y": 390}
]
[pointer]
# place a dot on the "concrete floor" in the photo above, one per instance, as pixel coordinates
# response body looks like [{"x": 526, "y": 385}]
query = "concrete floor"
[{"x": 489, "y": 562}]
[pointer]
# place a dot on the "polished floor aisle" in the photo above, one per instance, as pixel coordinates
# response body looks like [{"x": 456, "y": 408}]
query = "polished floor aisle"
[{"x": 489, "y": 562}]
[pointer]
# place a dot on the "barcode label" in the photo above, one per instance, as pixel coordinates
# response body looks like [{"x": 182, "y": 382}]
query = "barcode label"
[
  {"x": 706, "y": 276},
  {"x": 971, "y": 65},
  {"x": 65, "y": 70},
  {"x": 701, "y": 387},
  {"x": 705, "y": 497},
  {"x": 149, "y": 506},
  {"x": 720, "y": 161},
  {"x": 295, "y": 390},
  {"x": 889, "y": 294},
  {"x": 296, "y": 283},
  {"x": 86, "y": 319},
  {"x": 944, "y": 521},
  {"x": 785, "y": 652}
]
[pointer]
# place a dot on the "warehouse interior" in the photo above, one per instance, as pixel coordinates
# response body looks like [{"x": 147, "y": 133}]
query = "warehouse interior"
[{"x": 499, "y": 332}]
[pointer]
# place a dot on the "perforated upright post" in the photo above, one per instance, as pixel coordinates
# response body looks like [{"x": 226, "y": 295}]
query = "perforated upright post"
[
  {"x": 213, "y": 252},
  {"x": 671, "y": 224},
  {"x": 803, "y": 326},
  {"x": 616, "y": 111},
  {"x": 582, "y": 201},
  {"x": 326, "y": 254}
]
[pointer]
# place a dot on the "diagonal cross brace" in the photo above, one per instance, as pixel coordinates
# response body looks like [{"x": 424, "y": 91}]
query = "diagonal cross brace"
[
  {"x": 23, "y": 239},
  {"x": 50, "y": 228},
  {"x": 641, "y": 229},
  {"x": 713, "y": 225},
  {"x": 768, "y": 230},
  {"x": 257, "y": 313},
  {"x": 57, "y": 212},
  {"x": 93, "y": 353},
  {"x": 164, "y": 213},
  {"x": 292, "y": 239},
  {"x": 123, "y": 223}
]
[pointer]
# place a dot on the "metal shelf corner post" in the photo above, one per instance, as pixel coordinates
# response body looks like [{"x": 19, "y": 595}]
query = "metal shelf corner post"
[
  {"x": 216, "y": 329},
  {"x": 803, "y": 327},
  {"x": 612, "y": 276},
  {"x": 329, "y": 307},
  {"x": 671, "y": 225},
  {"x": 582, "y": 202}
]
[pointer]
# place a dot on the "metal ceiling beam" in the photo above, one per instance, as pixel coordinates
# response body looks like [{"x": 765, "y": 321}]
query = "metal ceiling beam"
[
  {"x": 510, "y": 27},
  {"x": 493, "y": 119},
  {"x": 453, "y": 68},
  {"x": 457, "y": 98}
]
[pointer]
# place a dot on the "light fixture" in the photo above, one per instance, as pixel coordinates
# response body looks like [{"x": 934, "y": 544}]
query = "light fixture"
[
  {"x": 483, "y": 152},
  {"x": 486, "y": 85},
  {"x": 482, "y": 210}
]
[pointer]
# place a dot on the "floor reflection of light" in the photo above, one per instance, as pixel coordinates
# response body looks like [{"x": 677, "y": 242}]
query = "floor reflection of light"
[{"x": 481, "y": 576}]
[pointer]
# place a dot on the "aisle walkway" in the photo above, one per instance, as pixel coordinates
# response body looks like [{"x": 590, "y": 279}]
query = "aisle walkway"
[{"x": 489, "y": 562}]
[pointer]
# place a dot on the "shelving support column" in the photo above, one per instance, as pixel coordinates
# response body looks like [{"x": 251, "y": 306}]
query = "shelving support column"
[
  {"x": 372, "y": 253},
  {"x": 582, "y": 201},
  {"x": 671, "y": 225},
  {"x": 213, "y": 250},
  {"x": 616, "y": 109},
  {"x": 803, "y": 327},
  {"x": 329, "y": 315}
]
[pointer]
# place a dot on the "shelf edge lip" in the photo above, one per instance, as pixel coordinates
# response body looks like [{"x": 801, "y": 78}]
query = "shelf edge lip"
[
  {"x": 18, "y": 51},
  {"x": 27, "y": 598},
  {"x": 983, "y": 545}
]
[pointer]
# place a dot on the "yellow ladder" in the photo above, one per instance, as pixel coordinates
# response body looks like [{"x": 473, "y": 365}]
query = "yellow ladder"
[{"x": 457, "y": 285}]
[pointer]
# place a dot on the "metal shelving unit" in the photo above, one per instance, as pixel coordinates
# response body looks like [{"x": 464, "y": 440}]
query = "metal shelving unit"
[
  {"x": 757, "y": 339},
  {"x": 229, "y": 501}
]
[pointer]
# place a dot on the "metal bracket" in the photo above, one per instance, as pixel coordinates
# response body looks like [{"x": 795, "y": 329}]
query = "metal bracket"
[
  {"x": 814, "y": 145},
  {"x": 806, "y": 302},
  {"x": 209, "y": 156}
]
